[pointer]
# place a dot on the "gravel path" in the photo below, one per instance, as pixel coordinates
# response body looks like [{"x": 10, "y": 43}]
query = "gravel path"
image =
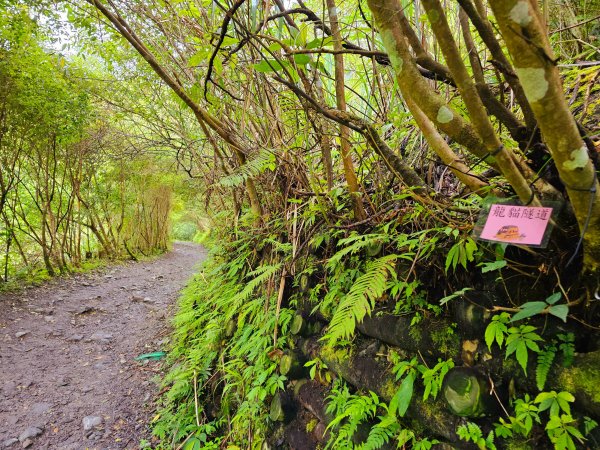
[{"x": 68, "y": 378}]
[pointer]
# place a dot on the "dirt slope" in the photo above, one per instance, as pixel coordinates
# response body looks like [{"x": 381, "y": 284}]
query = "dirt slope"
[{"x": 67, "y": 354}]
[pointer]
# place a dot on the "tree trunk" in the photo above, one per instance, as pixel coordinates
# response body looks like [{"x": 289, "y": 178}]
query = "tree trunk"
[
  {"x": 522, "y": 28},
  {"x": 350, "y": 174}
]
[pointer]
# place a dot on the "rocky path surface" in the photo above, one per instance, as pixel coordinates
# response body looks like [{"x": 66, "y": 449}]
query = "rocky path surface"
[{"x": 68, "y": 377}]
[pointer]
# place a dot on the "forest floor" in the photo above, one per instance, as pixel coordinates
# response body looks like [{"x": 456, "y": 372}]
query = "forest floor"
[{"x": 68, "y": 377}]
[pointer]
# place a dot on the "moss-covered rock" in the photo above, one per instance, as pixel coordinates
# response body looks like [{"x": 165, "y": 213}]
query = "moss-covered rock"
[
  {"x": 582, "y": 379},
  {"x": 467, "y": 392}
]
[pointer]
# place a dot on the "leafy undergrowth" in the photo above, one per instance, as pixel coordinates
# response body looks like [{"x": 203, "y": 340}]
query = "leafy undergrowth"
[
  {"x": 36, "y": 276},
  {"x": 494, "y": 317}
]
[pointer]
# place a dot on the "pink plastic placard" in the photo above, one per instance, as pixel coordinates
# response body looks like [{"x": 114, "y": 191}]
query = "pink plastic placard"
[{"x": 514, "y": 224}]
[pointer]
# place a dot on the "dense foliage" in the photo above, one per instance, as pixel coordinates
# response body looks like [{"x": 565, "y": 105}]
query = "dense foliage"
[{"x": 78, "y": 180}]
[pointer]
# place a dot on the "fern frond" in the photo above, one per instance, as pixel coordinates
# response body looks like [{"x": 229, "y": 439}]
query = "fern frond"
[
  {"x": 351, "y": 413},
  {"x": 545, "y": 359},
  {"x": 380, "y": 434},
  {"x": 355, "y": 243},
  {"x": 283, "y": 247},
  {"x": 360, "y": 301},
  {"x": 261, "y": 275},
  {"x": 249, "y": 169}
]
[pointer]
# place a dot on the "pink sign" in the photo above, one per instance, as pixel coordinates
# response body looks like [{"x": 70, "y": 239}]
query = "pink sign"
[{"x": 515, "y": 224}]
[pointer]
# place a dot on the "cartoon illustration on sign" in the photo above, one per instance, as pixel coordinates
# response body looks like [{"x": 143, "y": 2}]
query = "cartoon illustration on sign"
[{"x": 509, "y": 233}]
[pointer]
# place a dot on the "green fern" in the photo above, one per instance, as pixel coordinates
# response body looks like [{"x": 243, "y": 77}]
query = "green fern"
[
  {"x": 354, "y": 244},
  {"x": 351, "y": 411},
  {"x": 251, "y": 168},
  {"x": 545, "y": 359},
  {"x": 381, "y": 433},
  {"x": 257, "y": 277},
  {"x": 360, "y": 301},
  {"x": 567, "y": 347},
  {"x": 472, "y": 432}
]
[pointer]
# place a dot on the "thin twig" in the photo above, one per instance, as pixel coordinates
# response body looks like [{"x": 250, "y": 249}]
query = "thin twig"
[
  {"x": 196, "y": 398},
  {"x": 224, "y": 26},
  {"x": 574, "y": 25},
  {"x": 279, "y": 300},
  {"x": 493, "y": 391},
  {"x": 337, "y": 52}
]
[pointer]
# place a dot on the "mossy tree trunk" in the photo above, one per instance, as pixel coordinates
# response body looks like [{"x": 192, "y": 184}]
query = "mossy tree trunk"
[
  {"x": 523, "y": 30},
  {"x": 477, "y": 137},
  {"x": 538, "y": 77},
  {"x": 477, "y": 113}
]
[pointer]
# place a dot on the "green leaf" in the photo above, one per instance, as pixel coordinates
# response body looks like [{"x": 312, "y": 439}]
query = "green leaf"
[
  {"x": 528, "y": 310},
  {"x": 574, "y": 432},
  {"x": 560, "y": 311},
  {"x": 470, "y": 249},
  {"x": 454, "y": 295},
  {"x": 301, "y": 59},
  {"x": 491, "y": 266},
  {"x": 589, "y": 424},
  {"x": 564, "y": 398},
  {"x": 228, "y": 41},
  {"x": 252, "y": 167},
  {"x": 198, "y": 57},
  {"x": 532, "y": 345},
  {"x": 315, "y": 43},
  {"x": 452, "y": 258},
  {"x": 522, "y": 356},
  {"x": 554, "y": 298},
  {"x": 360, "y": 301},
  {"x": 192, "y": 444},
  {"x": 402, "y": 399},
  {"x": 328, "y": 41},
  {"x": 269, "y": 65},
  {"x": 545, "y": 399},
  {"x": 490, "y": 335},
  {"x": 496, "y": 330},
  {"x": 555, "y": 402}
]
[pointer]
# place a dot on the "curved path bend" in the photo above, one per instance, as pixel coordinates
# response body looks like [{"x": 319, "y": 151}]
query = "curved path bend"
[{"x": 68, "y": 377}]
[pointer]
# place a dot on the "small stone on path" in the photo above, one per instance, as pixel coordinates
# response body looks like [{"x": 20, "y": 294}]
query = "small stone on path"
[
  {"x": 9, "y": 442},
  {"x": 90, "y": 422},
  {"x": 29, "y": 433},
  {"x": 83, "y": 310},
  {"x": 27, "y": 443},
  {"x": 101, "y": 337},
  {"x": 21, "y": 333},
  {"x": 75, "y": 338}
]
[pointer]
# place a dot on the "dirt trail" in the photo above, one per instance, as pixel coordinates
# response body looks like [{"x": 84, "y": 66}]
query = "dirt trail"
[{"x": 67, "y": 354}]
